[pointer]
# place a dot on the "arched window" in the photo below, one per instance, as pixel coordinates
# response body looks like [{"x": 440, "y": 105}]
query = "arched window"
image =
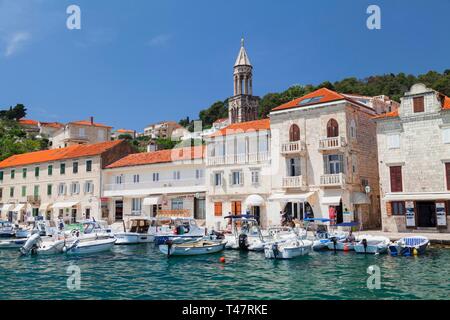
[
  {"x": 332, "y": 128},
  {"x": 294, "y": 133}
]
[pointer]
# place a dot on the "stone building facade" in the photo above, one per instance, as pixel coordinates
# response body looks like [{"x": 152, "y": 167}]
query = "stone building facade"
[{"x": 414, "y": 162}]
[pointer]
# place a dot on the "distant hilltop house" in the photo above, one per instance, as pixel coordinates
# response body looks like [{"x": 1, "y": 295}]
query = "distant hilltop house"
[
  {"x": 123, "y": 132},
  {"x": 161, "y": 130},
  {"x": 39, "y": 128}
]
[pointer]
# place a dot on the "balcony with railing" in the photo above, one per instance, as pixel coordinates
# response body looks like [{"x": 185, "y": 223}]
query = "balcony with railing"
[
  {"x": 294, "y": 147},
  {"x": 330, "y": 180},
  {"x": 293, "y": 182},
  {"x": 243, "y": 158},
  {"x": 332, "y": 143}
]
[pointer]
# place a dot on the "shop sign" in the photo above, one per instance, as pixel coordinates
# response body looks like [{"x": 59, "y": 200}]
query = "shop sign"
[
  {"x": 441, "y": 218},
  {"x": 410, "y": 214}
]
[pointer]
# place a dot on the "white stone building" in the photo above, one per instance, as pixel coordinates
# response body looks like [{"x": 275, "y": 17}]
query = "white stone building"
[
  {"x": 164, "y": 183},
  {"x": 323, "y": 158},
  {"x": 414, "y": 162},
  {"x": 64, "y": 182}
]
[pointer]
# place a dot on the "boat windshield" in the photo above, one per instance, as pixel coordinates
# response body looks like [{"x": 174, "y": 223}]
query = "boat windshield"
[{"x": 140, "y": 226}]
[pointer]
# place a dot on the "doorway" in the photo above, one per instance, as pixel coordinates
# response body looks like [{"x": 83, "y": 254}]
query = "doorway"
[
  {"x": 256, "y": 211},
  {"x": 88, "y": 213},
  {"x": 119, "y": 210},
  {"x": 426, "y": 214},
  {"x": 199, "y": 209},
  {"x": 73, "y": 217}
]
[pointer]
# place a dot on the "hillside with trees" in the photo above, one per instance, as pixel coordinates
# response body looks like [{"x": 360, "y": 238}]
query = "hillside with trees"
[{"x": 392, "y": 85}]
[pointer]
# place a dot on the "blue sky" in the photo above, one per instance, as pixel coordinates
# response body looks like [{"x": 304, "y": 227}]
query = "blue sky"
[{"x": 141, "y": 61}]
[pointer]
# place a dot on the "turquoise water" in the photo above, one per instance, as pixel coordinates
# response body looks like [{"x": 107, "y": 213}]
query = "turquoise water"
[{"x": 141, "y": 272}]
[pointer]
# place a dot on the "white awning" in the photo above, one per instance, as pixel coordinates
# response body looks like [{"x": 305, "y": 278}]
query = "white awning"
[
  {"x": 331, "y": 201},
  {"x": 19, "y": 207},
  {"x": 44, "y": 206},
  {"x": 295, "y": 197},
  {"x": 360, "y": 198},
  {"x": 149, "y": 201},
  {"x": 65, "y": 204},
  {"x": 417, "y": 196},
  {"x": 254, "y": 200},
  {"x": 6, "y": 208}
]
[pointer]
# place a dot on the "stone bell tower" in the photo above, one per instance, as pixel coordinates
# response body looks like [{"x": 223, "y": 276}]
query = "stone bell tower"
[{"x": 243, "y": 106}]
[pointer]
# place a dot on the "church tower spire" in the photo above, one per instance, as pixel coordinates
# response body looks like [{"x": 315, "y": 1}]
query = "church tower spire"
[{"x": 243, "y": 106}]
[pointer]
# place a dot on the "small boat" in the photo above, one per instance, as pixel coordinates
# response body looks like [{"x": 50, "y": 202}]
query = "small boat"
[
  {"x": 37, "y": 245},
  {"x": 288, "y": 249},
  {"x": 177, "y": 230},
  {"x": 12, "y": 243},
  {"x": 409, "y": 246},
  {"x": 192, "y": 248},
  {"x": 85, "y": 245},
  {"x": 322, "y": 235},
  {"x": 142, "y": 230},
  {"x": 372, "y": 244},
  {"x": 246, "y": 234},
  {"x": 340, "y": 245},
  {"x": 7, "y": 229},
  {"x": 22, "y": 233}
]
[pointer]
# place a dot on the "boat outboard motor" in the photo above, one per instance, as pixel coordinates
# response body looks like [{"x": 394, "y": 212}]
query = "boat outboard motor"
[
  {"x": 30, "y": 244},
  {"x": 275, "y": 250},
  {"x": 364, "y": 243},
  {"x": 169, "y": 244},
  {"x": 243, "y": 241},
  {"x": 334, "y": 240},
  {"x": 73, "y": 245}
]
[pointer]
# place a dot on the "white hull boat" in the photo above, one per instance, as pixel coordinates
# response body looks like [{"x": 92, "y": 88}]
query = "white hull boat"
[
  {"x": 90, "y": 245},
  {"x": 409, "y": 246},
  {"x": 288, "y": 249},
  {"x": 133, "y": 238},
  {"x": 12, "y": 243},
  {"x": 341, "y": 245},
  {"x": 245, "y": 242},
  {"x": 43, "y": 246},
  {"x": 192, "y": 248},
  {"x": 372, "y": 244}
]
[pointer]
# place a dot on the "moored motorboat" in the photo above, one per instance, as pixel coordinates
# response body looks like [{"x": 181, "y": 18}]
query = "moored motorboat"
[
  {"x": 322, "y": 235},
  {"x": 7, "y": 229},
  {"x": 12, "y": 243},
  {"x": 409, "y": 246},
  {"x": 86, "y": 245},
  {"x": 177, "y": 230},
  {"x": 245, "y": 234},
  {"x": 37, "y": 245},
  {"x": 372, "y": 244},
  {"x": 192, "y": 248},
  {"x": 288, "y": 249},
  {"x": 142, "y": 230}
]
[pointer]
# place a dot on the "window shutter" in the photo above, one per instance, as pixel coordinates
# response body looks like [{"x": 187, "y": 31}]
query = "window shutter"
[
  {"x": 447, "y": 175},
  {"x": 396, "y": 179},
  {"x": 241, "y": 178},
  {"x": 389, "y": 208},
  {"x": 325, "y": 165},
  {"x": 446, "y": 135},
  {"x": 418, "y": 104},
  {"x": 230, "y": 177}
]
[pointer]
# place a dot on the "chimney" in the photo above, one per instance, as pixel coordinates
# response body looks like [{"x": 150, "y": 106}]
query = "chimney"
[{"x": 92, "y": 120}]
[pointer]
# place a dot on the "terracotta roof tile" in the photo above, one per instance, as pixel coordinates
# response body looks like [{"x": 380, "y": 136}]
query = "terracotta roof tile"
[
  {"x": 71, "y": 152},
  {"x": 242, "y": 127},
  {"x": 162, "y": 156},
  {"x": 29, "y": 122},
  {"x": 88, "y": 123},
  {"x": 52, "y": 124},
  {"x": 391, "y": 114},
  {"x": 446, "y": 103},
  {"x": 321, "y": 95}
]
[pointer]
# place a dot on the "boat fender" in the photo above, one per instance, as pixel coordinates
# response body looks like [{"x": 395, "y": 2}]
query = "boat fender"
[
  {"x": 243, "y": 241},
  {"x": 415, "y": 252}
]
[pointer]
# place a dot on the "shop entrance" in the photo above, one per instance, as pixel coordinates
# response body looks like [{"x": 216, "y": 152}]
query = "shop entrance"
[
  {"x": 426, "y": 214},
  {"x": 119, "y": 210}
]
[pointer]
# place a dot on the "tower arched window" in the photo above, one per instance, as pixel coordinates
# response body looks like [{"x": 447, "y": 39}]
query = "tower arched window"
[
  {"x": 294, "y": 133},
  {"x": 332, "y": 128}
]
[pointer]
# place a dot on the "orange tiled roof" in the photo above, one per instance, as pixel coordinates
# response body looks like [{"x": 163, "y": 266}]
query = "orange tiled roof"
[
  {"x": 125, "y": 131},
  {"x": 446, "y": 103},
  {"x": 52, "y": 124},
  {"x": 71, "y": 152},
  {"x": 221, "y": 120},
  {"x": 391, "y": 114},
  {"x": 322, "y": 95},
  {"x": 28, "y": 122},
  {"x": 162, "y": 156},
  {"x": 242, "y": 127},
  {"x": 89, "y": 123}
]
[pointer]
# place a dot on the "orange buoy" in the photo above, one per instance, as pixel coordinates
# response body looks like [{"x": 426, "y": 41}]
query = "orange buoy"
[{"x": 222, "y": 259}]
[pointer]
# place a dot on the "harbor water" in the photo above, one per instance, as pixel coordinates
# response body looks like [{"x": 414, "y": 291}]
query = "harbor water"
[{"x": 142, "y": 272}]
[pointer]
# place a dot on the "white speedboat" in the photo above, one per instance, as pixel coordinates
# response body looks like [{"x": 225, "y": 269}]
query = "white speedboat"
[
  {"x": 141, "y": 230},
  {"x": 7, "y": 229},
  {"x": 372, "y": 244},
  {"x": 192, "y": 248},
  {"x": 409, "y": 246},
  {"x": 177, "y": 229},
  {"x": 37, "y": 245},
  {"x": 288, "y": 249},
  {"x": 322, "y": 235},
  {"x": 85, "y": 245},
  {"x": 246, "y": 234}
]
